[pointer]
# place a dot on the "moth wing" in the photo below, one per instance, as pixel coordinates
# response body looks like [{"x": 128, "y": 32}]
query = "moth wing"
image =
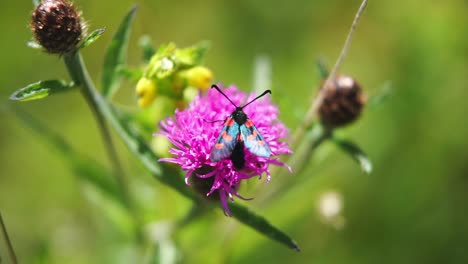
[
  {"x": 226, "y": 141},
  {"x": 253, "y": 140}
]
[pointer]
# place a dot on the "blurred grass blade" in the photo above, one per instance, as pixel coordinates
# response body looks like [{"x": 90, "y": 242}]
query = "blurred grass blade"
[
  {"x": 41, "y": 89},
  {"x": 100, "y": 189},
  {"x": 91, "y": 38},
  {"x": 116, "y": 55},
  {"x": 322, "y": 69},
  {"x": 260, "y": 224},
  {"x": 355, "y": 152},
  {"x": 116, "y": 213},
  {"x": 85, "y": 168},
  {"x": 146, "y": 44},
  {"x": 383, "y": 93},
  {"x": 262, "y": 74}
]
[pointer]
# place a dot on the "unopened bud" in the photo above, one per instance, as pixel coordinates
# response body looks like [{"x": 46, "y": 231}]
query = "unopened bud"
[
  {"x": 57, "y": 26},
  {"x": 146, "y": 91},
  {"x": 342, "y": 102},
  {"x": 200, "y": 77}
]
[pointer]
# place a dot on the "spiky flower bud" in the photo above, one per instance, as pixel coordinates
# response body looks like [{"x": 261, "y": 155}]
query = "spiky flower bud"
[
  {"x": 342, "y": 102},
  {"x": 57, "y": 26}
]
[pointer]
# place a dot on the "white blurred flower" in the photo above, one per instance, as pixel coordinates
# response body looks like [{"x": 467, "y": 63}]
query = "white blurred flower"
[{"x": 330, "y": 206}]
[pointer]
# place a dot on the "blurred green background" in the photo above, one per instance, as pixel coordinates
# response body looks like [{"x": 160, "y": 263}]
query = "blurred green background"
[{"x": 411, "y": 209}]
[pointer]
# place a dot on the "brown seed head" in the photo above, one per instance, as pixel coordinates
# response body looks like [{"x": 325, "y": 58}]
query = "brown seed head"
[
  {"x": 203, "y": 185},
  {"x": 56, "y": 26},
  {"x": 342, "y": 102}
]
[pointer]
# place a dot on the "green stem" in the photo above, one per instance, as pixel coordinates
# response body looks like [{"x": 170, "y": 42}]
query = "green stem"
[
  {"x": 11, "y": 252},
  {"x": 310, "y": 142},
  {"x": 80, "y": 76}
]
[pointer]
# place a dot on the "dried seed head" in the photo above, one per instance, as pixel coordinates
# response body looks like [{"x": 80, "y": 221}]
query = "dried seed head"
[
  {"x": 203, "y": 185},
  {"x": 342, "y": 102},
  {"x": 56, "y": 25}
]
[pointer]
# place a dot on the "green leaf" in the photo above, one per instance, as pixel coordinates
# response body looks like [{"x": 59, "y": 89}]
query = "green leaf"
[
  {"x": 129, "y": 73},
  {"x": 41, "y": 89},
  {"x": 91, "y": 38},
  {"x": 146, "y": 45},
  {"x": 116, "y": 55},
  {"x": 192, "y": 56},
  {"x": 262, "y": 226},
  {"x": 322, "y": 69},
  {"x": 355, "y": 152}
]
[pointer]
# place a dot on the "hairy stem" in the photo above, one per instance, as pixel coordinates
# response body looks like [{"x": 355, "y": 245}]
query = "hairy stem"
[
  {"x": 312, "y": 112},
  {"x": 8, "y": 243},
  {"x": 316, "y": 136}
]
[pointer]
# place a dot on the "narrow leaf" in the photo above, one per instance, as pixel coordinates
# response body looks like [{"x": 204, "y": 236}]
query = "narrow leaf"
[
  {"x": 191, "y": 56},
  {"x": 322, "y": 69},
  {"x": 116, "y": 55},
  {"x": 146, "y": 45},
  {"x": 91, "y": 38},
  {"x": 262, "y": 226},
  {"x": 40, "y": 90},
  {"x": 129, "y": 73},
  {"x": 355, "y": 152}
]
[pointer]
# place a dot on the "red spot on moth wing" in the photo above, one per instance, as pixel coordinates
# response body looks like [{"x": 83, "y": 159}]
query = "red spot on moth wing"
[
  {"x": 219, "y": 146},
  {"x": 226, "y": 136},
  {"x": 249, "y": 123},
  {"x": 261, "y": 142},
  {"x": 253, "y": 135},
  {"x": 230, "y": 122}
]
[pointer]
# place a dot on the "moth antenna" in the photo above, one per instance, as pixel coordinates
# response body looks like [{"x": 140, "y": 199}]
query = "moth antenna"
[
  {"x": 265, "y": 92},
  {"x": 213, "y": 121},
  {"x": 219, "y": 90}
]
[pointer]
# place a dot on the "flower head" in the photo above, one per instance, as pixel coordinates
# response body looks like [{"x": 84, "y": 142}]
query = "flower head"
[
  {"x": 342, "y": 103},
  {"x": 57, "y": 26},
  {"x": 193, "y": 135}
]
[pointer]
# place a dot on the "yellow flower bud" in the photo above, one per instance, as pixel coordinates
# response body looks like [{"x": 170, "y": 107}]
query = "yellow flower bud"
[
  {"x": 146, "y": 91},
  {"x": 200, "y": 77}
]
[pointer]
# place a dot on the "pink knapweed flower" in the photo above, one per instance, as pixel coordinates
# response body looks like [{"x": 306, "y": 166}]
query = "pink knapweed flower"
[{"x": 193, "y": 134}]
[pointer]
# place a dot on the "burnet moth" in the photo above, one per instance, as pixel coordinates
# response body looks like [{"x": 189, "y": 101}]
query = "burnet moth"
[{"x": 239, "y": 131}]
